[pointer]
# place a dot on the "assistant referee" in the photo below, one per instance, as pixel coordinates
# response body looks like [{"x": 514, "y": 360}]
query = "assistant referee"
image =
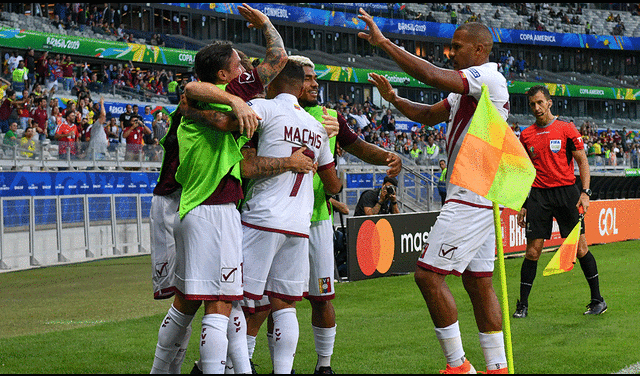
[{"x": 552, "y": 145}]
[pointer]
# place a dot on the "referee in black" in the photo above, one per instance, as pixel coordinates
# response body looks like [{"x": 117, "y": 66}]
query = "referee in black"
[{"x": 552, "y": 145}]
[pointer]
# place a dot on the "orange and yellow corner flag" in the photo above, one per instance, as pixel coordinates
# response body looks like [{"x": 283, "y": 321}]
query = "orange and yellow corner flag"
[
  {"x": 565, "y": 256},
  {"x": 492, "y": 162}
]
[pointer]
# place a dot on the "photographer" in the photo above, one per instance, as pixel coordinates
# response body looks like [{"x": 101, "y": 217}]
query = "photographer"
[
  {"x": 380, "y": 200},
  {"x": 134, "y": 135}
]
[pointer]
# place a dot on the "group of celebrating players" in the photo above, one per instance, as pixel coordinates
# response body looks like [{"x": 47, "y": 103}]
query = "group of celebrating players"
[{"x": 241, "y": 218}]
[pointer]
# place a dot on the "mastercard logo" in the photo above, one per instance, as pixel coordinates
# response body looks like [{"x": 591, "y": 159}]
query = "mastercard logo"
[{"x": 375, "y": 246}]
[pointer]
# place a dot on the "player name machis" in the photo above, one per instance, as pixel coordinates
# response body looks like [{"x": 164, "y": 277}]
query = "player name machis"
[{"x": 305, "y": 137}]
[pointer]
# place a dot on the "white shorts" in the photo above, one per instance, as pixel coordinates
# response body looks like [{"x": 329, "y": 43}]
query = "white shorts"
[
  {"x": 275, "y": 264},
  {"x": 253, "y": 306},
  {"x": 461, "y": 241},
  {"x": 164, "y": 209},
  {"x": 321, "y": 261},
  {"x": 209, "y": 253}
]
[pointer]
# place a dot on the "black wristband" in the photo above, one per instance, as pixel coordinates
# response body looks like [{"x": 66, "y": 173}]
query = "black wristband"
[{"x": 379, "y": 203}]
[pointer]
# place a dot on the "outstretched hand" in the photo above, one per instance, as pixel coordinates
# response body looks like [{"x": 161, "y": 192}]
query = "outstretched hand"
[
  {"x": 395, "y": 164},
  {"x": 375, "y": 36},
  {"x": 383, "y": 85},
  {"x": 256, "y": 18}
]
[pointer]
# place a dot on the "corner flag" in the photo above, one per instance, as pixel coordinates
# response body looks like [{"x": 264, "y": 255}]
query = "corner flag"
[
  {"x": 565, "y": 256},
  {"x": 492, "y": 162}
]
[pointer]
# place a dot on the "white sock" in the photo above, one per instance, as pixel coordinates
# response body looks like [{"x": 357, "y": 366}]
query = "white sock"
[
  {"x": 251, "y": 345},
  {"x": 237, "y": 335},
  {"x": 285, "y": 339},
  {"x": 176, "y": 365},
  {"x": 213, "y": 343},
  {"x": 324, "y": 339},
  {"x": 493, "y": 350},
  {"x": 270, "y": 342},
  {"x": 451, "y": 344},
  {"x": 228, "y": 366},
  {"x": 170, "y": 337}
]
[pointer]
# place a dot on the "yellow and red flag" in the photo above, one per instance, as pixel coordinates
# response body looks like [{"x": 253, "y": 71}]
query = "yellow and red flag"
[
  {"x": 492, "y": 162},
  {"x": 565, "y": 256}
]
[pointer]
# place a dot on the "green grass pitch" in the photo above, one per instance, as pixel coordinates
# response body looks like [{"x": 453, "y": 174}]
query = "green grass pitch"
[{"x": 99, "y": 317}]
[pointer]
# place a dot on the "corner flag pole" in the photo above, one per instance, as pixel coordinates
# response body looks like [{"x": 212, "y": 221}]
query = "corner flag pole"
[{"x": 506, "y": 324}]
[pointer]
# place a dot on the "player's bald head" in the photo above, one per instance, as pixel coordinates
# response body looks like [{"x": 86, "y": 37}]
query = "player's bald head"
[{"x": 479, "y": 33}]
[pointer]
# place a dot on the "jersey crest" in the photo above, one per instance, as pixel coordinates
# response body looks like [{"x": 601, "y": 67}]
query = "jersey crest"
[{"x": 555, "y": 145}]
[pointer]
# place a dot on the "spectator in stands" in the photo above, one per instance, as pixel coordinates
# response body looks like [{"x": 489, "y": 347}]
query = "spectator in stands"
[
  {"x": 94, "y": 85},
  {"x": 98, "y": 139},
  {"x": 160, "y": 125},
  {"x": 9, "y": 104},
  {"x": 30, "y": 64},
  {"x": 134, "y": 136},
  {"x": 27, "y": 143},
  {"x": 431, "y": 18},
  {"x": 11, "y": 135},
  {"x": 38, "y": 118},
  {"x": 496, "y": 15},
  {"x": 147, "y": 120},
  {"x": 67, "y": 135},
  {"x": 454, "y": 16},
  {"x": 114, "y": 133},
  {"x": 126, "y": 116},
  {"x": 388, "y": 121},
  {"x": 54, "y": 120}
]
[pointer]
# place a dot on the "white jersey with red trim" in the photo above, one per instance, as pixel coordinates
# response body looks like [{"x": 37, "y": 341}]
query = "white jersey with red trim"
[
  {"x": 462, "y": 107},
  {"x": 284, "y": 203}
]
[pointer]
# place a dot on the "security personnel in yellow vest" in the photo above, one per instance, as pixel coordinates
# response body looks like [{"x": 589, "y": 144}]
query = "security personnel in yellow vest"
[
  {"x": 415, "y": 152},
  {"x": 442, "y": 182},
  {"x": 432, "y": 150},
  {"x": 172, "y": 93},
  {"x": 19, "y": 76}
]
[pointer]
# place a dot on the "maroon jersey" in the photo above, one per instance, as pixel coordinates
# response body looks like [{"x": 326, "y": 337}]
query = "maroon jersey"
[{"x": 550, "y": 149}]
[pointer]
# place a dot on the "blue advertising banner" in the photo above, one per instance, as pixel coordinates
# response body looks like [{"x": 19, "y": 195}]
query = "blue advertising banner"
[
  {"x": 421, "y": 28},
  {"x": 20, "y": 184}
]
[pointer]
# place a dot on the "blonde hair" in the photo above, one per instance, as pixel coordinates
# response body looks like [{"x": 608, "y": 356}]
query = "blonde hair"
[{"x": 302, "y": 60}]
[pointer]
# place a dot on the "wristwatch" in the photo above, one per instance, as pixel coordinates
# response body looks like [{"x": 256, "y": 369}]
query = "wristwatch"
[{"x": 587, "y": 191}]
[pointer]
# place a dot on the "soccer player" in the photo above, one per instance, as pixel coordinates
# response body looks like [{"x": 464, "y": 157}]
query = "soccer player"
[
  {"x": 462, "y": 241},
  {"x": 552, "y": 144},
  {"x": 321, "y": 257},
  {"x": 276, "y": 216},
  {"x": 218, "y": 63}
]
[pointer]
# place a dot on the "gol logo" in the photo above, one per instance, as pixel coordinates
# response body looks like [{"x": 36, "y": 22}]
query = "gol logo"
[
  {"x": 375, "y": 246},
  {"x": 607, "y": 221}
]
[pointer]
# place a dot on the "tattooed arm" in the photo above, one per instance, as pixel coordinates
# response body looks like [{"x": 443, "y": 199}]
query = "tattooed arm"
[
  {"x": 276, "y": 56},
  {"x": 211, "y": 118},
  {"x": 255, "y": 167}
]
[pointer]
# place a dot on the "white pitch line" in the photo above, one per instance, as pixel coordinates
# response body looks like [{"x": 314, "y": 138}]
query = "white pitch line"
[{"x": 632, "y": 369}]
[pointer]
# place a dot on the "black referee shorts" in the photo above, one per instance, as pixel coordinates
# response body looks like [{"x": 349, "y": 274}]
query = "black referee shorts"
[{"x": 544, "y": 204}]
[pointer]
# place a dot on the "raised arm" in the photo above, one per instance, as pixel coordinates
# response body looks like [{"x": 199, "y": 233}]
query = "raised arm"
[
  {"x": 207, "y": 92},
  {"x": 418, "y": 112},
  {"x": 375, "y": 155},
  {"x": 416, "y": 67},
  {"x": 276, "y": 55}
]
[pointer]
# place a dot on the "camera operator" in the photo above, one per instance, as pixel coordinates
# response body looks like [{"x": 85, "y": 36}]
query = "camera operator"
[{"x": 379, "y": 201}]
